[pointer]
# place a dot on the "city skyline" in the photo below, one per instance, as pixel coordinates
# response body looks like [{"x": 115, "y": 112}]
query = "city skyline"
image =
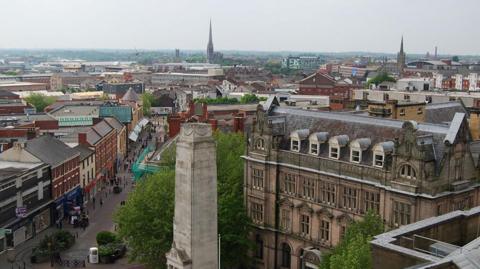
[{"x": 269, "y": 26}]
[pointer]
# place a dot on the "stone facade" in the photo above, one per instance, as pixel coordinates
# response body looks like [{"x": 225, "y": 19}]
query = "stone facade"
[
  {"x": 309, "y": 174},
  {"x": 195, "y": 225}
]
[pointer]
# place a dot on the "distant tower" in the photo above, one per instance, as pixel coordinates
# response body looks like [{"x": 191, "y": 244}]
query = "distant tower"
[
  {"x": 436, "y": 51},
  {"x": 210, "y": 52},
  {"x": 195, "y": 244},
  {"x": 177, "y": 55},
  {"x": 401, "y": 59}
]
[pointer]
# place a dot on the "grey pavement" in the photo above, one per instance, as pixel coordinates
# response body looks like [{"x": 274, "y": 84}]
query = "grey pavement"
[{"x": 100, "y": 218}]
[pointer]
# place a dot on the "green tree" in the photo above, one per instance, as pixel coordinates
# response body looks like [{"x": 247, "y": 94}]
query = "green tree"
[
  {"x": 455, "y": 58},
  {"x": 39, "y": 101},
  {"x": 145, "y": 222},
  {"x": 147, "y": 99},
  {"x": 381, "y": 77},
  {"x": 354, "y": 250},
  {"x": 233, "y": 221},
  {"x": 249, "y": 99}
]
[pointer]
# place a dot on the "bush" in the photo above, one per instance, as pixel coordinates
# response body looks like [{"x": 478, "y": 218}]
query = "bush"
[
  {"x": 58, "y": 241},
  {"x": 106, "y": 237}
]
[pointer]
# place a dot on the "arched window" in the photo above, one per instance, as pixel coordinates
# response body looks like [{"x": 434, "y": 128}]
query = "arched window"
[
  {"x": 407, "y": 171},
  {"x": 258, "y": 247},
  {"x": 286, "y": 255}
]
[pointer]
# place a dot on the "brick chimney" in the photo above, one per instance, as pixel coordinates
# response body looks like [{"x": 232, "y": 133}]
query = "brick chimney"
[
  {"x": 239, "y": 123},
  {"x": 82, "y": 139}
]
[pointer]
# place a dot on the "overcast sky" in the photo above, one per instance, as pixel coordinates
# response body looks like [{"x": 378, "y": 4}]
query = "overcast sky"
[{"x": 267, "y": 25}]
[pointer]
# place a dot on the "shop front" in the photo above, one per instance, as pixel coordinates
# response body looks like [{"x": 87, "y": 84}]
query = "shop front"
[
  {"x": 90, "y": 191},
  {"x": 67, "y": 205},
  {"x": 25, "y": 228}
]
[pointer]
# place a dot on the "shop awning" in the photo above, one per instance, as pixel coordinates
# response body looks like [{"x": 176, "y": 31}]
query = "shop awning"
[{"x": 137, "y": 129}]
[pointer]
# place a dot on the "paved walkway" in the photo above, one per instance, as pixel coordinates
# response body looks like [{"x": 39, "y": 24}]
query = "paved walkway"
[{"x": 100, "y": 218}]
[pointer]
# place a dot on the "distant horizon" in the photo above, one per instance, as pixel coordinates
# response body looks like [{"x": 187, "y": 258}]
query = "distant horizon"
[{"x": 140, "y": 50}]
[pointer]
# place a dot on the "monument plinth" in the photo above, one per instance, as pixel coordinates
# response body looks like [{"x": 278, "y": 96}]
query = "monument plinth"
[{"x": 195, "y": 243}]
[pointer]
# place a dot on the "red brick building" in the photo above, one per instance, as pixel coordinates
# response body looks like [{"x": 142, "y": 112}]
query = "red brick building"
[
  {"x": 323, "y": 84},
  {"x": 102, "y": 138},
  {"x": 63, "y": 162}
]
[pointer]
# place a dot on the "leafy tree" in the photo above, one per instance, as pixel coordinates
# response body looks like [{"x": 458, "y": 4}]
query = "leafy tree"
[
  {"x": 147, "y": 99},
  {"x": 39, "y": 101},
  {"x": 216, "y": 101},
  {"x": 381, "y": 77},
  {"x": 354, "y": 250},
  {"x": 233, "y": 222},
  {"x": 10, "y": 73},
  {"x": 455, "y": 58},
  {"x": 249, "y": 99},
  {"x": 146, "y": 219}
]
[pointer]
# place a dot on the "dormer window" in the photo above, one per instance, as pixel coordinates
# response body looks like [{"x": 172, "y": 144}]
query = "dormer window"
[
  {"x": 296, "y": 138},
  {"x": 357, "y": 147},
  {"x": 355, "y": 156},
  {"x": 334, "y": 152},
  {"x": 335, "y": 144},
  {"x": 378, "y": 160},
  {"x": 407, "y": 171},
  {"x": 380, "y": 151},
  {"x": 314, "y": 148},
  {"x": 295, "y": 146},
  {"x": 315, "y": 141}
]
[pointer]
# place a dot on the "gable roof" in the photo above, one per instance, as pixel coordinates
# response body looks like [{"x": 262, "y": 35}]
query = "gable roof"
[
  {"x": 443, "y": 112},
  {"x": 50, "y": 150},
  {"x": 114, "y": 123},
  {"x": 130, "y": 95},
  {"x": 84, "y": 151}
]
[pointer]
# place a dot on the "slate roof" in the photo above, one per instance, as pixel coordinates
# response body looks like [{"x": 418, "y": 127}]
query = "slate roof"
[
  {"x": 84, "y": 151},
  {"x": 443, "y": 112},
  {"x": 113, "y": 122},
  {"x": 130, "y": 95},
  {"x": 50, "y": 150},
  {"x": 430, "y": 136},
  {"x": 8, "y": 94}
]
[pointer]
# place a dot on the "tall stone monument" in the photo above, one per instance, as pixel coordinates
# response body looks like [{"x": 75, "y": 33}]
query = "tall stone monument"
[{"x": 195, "y": 243}]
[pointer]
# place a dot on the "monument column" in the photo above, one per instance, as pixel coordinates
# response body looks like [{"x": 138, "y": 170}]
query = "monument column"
[{"x": 195, "y": 243}]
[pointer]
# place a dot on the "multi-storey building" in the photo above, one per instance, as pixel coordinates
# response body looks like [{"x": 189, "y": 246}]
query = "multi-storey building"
[
  {"x": 308, "y": 174},
  {"x": 87, "y": 172},
  {"x": 25, "y": 196},
  {"x": 101, "y": 138},
  {"x": 64, "y": 170}
]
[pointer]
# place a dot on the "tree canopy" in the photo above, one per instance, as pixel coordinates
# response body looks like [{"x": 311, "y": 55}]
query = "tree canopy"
[
  {"x": 39, "y": 101},
  {"x": 148, "y": 99},
  {"x": 248, "y": 98},
  {"x": 354, "y": 250},
  {"x": 381, "y": 77},
  {"x": 146, "y": 220}
]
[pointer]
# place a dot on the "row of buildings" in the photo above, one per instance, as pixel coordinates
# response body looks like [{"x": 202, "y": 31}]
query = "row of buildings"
[{"x": 52, "y": 164}]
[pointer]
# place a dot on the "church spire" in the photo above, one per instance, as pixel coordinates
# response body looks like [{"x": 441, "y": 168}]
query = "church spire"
[
  {"x": 401, "y": 59},
  {"x": 401, "y": 43},
  {"x": 210, "y": 52}
]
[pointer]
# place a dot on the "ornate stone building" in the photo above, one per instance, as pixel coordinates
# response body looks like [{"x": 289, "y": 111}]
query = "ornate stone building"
[{"x": 308, "y": 174}]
